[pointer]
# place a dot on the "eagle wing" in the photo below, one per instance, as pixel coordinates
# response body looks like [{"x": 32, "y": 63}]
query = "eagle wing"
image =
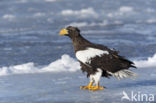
[{"x": 99, "y": 56}]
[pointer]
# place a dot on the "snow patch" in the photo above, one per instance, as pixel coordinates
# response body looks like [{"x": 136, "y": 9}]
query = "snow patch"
[
  {"x": 83, "y": 24},
  {"x": 150, "y": 21},
  {"x": 78, "y": 24},
  {"x": 125, "y": 9},
  {"x": 149, "y": 63},
  {"x": 17, "y": 69},
  {"x": 83, "y": 13},
  {"x": 122, "y": 11},
  {"x": 8, "y": 17},
  {"x": 65, "y": 64},
  {"x": 21, "y": 1},
  {"x": 39, "y": 14}
]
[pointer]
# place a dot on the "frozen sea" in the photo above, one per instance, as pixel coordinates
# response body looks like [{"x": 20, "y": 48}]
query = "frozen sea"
[{"x": 38, "y": 66}]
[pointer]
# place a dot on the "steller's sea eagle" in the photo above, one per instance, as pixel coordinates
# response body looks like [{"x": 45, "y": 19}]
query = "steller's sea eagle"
[{"x": 97, "y": 60}]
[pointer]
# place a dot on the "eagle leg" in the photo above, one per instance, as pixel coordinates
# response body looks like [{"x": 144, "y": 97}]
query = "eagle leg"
[
  {"x": 90, "y": 85},
  {"x": 97, "y": 87}
]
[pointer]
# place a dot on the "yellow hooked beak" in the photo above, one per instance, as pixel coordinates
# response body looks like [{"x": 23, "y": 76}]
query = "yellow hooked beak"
[{"x": 64, "y": 32}]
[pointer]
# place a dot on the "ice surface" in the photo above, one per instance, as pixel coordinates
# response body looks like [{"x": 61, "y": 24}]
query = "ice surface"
[
  {"x": 33, "y": 68},
  {"x": 63, "y": 87}
]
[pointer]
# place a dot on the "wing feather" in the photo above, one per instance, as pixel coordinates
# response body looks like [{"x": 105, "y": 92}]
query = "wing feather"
[{"x": 99, "y": 56}]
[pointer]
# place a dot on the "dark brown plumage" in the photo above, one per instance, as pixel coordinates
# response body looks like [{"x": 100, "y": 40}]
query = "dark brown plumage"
[{"x": 95, "y": 58}]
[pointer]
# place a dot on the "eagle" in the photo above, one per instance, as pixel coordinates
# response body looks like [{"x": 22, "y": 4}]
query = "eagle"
[{"x": 97, "y": 60}]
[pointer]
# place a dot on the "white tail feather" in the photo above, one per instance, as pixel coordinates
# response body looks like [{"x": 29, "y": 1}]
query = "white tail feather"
[{"x": 123, "y": 74}]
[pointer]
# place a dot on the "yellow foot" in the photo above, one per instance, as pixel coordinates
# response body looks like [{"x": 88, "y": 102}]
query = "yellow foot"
[
  {"x": 96, "y": 88},
  {"x": 86, "y": 87}
]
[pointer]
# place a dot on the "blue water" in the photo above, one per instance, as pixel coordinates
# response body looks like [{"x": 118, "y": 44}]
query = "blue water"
[{"x": 29, "y": 32}]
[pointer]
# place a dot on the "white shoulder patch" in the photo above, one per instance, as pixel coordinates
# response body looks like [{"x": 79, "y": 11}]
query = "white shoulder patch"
[{"x": 85, "y": 55}]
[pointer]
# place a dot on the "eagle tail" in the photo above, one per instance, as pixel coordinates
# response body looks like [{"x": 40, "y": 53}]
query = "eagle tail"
[
  {"x": 133, "y": 66},
  {"x": 127, "y": 62},
  {"x": 123, "y": 74}
]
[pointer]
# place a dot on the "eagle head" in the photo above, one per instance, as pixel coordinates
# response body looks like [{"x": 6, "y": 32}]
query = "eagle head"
[{"x": 70, "y": 31}]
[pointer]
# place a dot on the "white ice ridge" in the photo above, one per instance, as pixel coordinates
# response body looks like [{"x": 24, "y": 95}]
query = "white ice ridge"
[
  {"x": 65, "y": 64},
  {"x": 149, "y": 63}
]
